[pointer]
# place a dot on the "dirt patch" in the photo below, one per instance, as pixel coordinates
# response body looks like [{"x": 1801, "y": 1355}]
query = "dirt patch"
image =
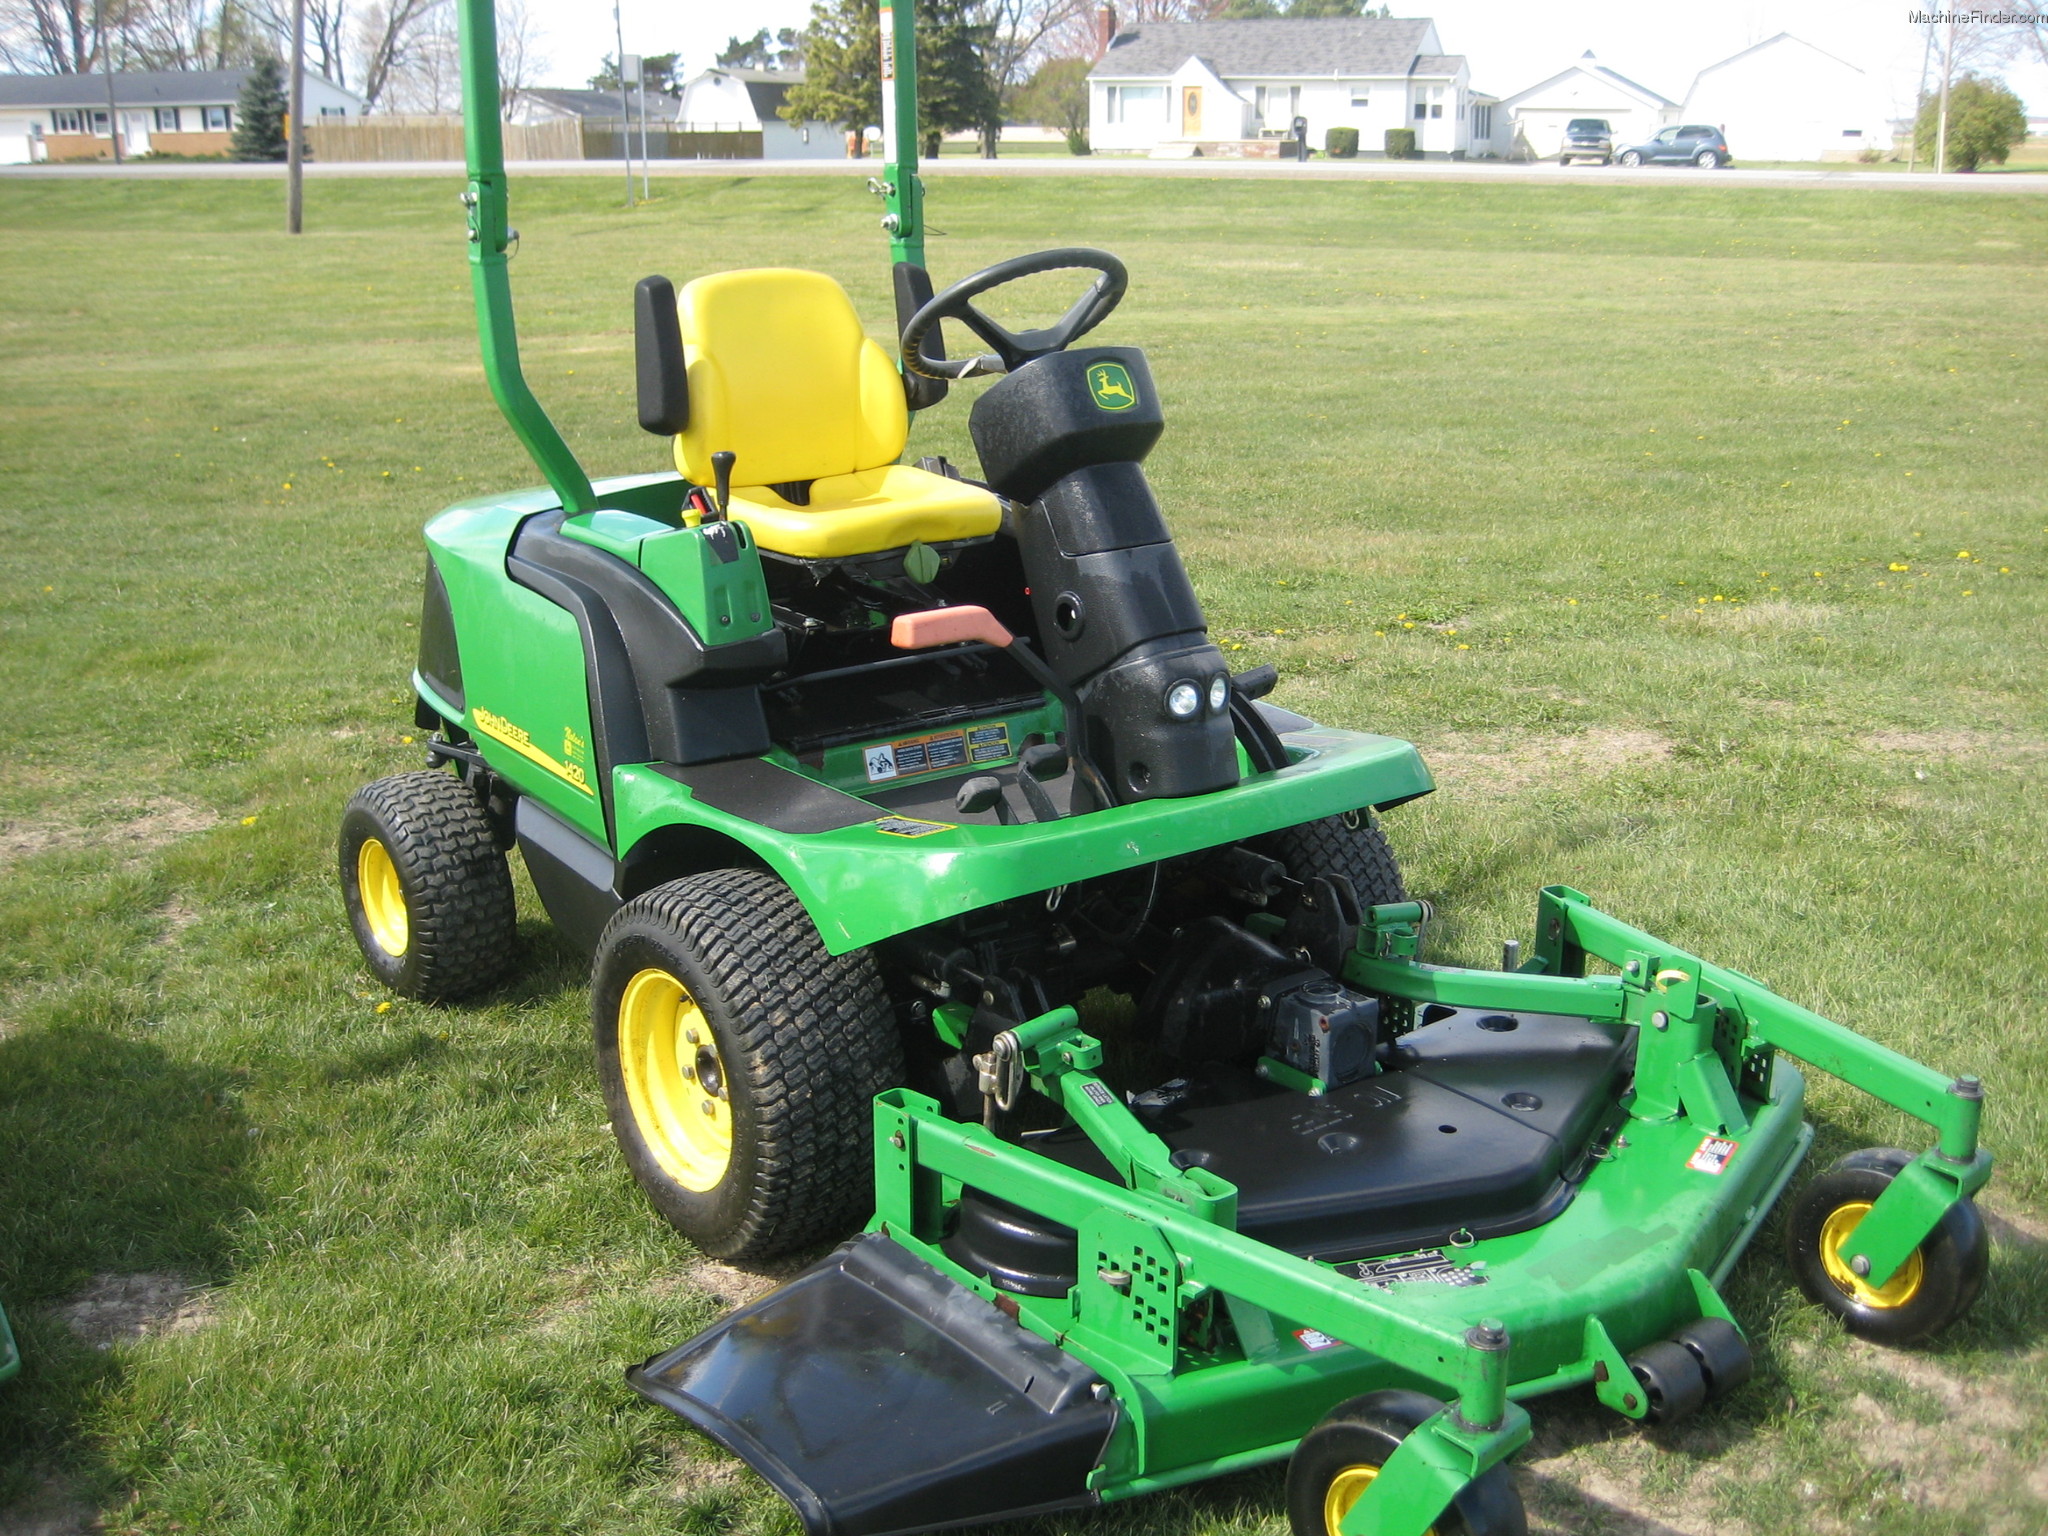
[
  {"x": 1589, "y": 1474},
  {"x": 1952, "y": 1462},
  {"x": 133, "y": 829},
  {"x": 2010, "y": 1226},
  {"x": 1511, "y": 765},
  {"x": 176, "y": 918},
  {"x": 119, "y": 1309},
  {"x": 1989, "y": 745},
  {"x": 732, "y": 1287},
  {"x": 697, "y": 1469}
]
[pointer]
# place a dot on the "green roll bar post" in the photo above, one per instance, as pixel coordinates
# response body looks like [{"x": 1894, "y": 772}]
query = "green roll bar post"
[
  {"x": 491, "y": 239},
  {"x": 902, "y": 191}
]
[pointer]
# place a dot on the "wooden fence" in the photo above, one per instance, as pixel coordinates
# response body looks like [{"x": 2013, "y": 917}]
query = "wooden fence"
[
  {"x": 435, "y": 138},
  {"x": 440, "y": 138}
]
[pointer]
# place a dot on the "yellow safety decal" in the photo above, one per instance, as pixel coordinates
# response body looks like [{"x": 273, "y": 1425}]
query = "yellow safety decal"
[
  {"x": 498, "y": 728},
  {"x": 910, "y": 826}
]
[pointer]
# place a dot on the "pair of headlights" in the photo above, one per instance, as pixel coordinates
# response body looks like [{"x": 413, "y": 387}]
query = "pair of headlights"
[{"x": 1184, "y": 698}]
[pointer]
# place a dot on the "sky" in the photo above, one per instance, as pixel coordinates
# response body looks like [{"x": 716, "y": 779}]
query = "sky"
[{"x": 1511, "y": 43}]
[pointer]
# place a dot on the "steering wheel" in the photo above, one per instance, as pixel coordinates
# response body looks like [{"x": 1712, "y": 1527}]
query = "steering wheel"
[{"x": 1014, "y": 349}]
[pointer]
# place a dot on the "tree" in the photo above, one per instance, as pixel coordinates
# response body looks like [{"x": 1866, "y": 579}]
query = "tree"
[
  {"x": 259, "y": 113},
  {"x": 842, "y": 67},
  {"x": 659, "y": 69},
  {"x": 1057, "y": 96},
  {"x": 957, "y": 84},
  {"x": 394, "y": 37},
  {"x": 1985, "y": 120},
  {"x": 783, "y": 50}
]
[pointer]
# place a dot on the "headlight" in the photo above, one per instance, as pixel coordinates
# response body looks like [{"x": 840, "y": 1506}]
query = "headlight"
[
  {"x": 1219, "y": 693},
  {"x": 1183, "y": 701}
]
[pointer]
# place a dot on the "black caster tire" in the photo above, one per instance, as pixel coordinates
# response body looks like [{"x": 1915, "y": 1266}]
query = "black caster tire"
[
  {"x": 740, "y": 1063},
  {"x": 1723, "y": 1354},
  {"x": 1938, "y": 1282},
  {"x": 1351, "y": 845},
  {"x": 426, "y": 886},
  {"x": 1674, "y": 1385},
  {"x": 1338, "y": 1459}
]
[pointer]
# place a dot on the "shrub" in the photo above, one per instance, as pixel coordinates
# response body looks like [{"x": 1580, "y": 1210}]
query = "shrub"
[
  {"x": 1400, "y": 143},
  {"x": 1985, "y": 120},
  {"x": 1340, "y": 143},
  {"x": 260, "y": 112}
]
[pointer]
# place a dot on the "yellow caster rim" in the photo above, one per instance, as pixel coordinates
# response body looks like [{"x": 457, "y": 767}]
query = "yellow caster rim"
[
  {"x": 1344, "y": 1491},
  {"x": 382, "y": 897},
  {"x": 1904, "y": 1284},
  {"x": 675, "y": 1080}
]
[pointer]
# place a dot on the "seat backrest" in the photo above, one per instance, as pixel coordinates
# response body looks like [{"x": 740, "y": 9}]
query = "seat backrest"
[{"x": 782, "y": 375}]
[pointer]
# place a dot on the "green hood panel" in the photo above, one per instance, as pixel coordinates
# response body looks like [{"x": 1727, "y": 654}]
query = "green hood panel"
[{"x": 868, "y": 882}]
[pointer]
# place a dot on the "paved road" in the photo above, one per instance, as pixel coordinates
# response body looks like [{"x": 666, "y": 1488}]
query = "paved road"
[{"x": 1545, "y": 173}]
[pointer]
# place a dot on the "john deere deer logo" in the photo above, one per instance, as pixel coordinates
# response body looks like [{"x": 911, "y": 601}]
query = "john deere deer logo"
[{"x": 1111, "y": 388}]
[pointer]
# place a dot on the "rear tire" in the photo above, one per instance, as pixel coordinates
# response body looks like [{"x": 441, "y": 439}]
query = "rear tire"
[
  {"x": 1351, "y": 845},
  {"x": 1707, "y": 160},
  {"x": 740, "y": 1062},
  {"x": 1338, "y": 1459},
  {"x": 426, "y": 886}
]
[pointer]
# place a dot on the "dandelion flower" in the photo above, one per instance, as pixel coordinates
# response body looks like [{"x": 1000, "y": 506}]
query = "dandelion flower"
[
  {"x": 248, "y": 821},
  {"x": 384, "y": 1007}
]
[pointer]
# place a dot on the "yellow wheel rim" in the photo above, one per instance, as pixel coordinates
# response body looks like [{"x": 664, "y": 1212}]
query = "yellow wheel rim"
[
  {"x": 675, "y": 1080},
  {"x": 1904, "y": 1284},
  {"x": 382, "y": 897},
  {"x": 1344, "y": 1491}
]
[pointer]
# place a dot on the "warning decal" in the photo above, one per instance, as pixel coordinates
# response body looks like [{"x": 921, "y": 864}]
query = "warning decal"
[
  {"x": 936, "y": 753},
  {"x": 1314, "y": 1339},
  {"x": 1428, "y": 1267},
  {"x": 910, "y": 826},
  {"x": 1712, "y": 1154}
]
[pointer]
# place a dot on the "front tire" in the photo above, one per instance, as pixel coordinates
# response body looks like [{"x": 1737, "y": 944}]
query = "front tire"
[
  {"x": 1351, "y": 845},
  {"x": 1339, "y": 1459},
  {"x": 740, "y": 1061},
  {"x": 1631, "y": 159},
  {"x": 426, "y": 886},
  {"x": 1936, "y": 1284}
]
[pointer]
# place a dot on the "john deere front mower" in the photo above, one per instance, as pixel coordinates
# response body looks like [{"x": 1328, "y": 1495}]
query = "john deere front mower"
[{"x": 857, "y": 774}]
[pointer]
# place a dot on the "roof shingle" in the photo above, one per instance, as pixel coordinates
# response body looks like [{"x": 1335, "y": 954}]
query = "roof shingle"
[{"x": 1324, "y": 46}]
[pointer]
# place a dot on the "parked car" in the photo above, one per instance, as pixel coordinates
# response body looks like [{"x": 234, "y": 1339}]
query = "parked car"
[
  {"x": 1587, "y": 138},
  {"x": 1694, "y": 144}
]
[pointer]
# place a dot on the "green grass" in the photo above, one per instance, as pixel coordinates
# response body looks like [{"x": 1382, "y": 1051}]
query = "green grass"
[{"x": 1600, "y": 493}]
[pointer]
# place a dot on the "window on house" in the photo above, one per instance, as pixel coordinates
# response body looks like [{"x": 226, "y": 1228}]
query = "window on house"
[
  {"x": 1852, "y": 133},
  {"x": 67, "y": 122},
  {"x": 166, "y": 120},
  {"x": 218, "y": 119},
  {"x": 334, "y": 111},
  {"x": 1482, "y": 121},
  {"x": 101, "y": 126},
  {"x": 1429, "y": 101},
  {"x": 1361, "y": 95},
  {"x": 1276, "y": 105},
  {"x": 1135, "y": 103}
]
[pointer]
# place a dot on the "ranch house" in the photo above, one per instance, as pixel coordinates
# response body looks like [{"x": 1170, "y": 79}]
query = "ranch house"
[
  {"x": 1235, "y": 87},
  {"x": 166, "y": 112}
]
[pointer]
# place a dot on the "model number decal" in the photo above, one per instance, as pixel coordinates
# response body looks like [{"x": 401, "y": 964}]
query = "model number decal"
[
  {"x": 1428, "y": 1267},
  {"x": 910, "y": 826},
  {"x": 498, "y": 728}
]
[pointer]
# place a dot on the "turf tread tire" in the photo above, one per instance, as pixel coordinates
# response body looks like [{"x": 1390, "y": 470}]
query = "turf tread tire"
[
  {"x": 1332, "y": 847},
  {"x": 460, "y": 911},
  {"x": 808, "y": 1039},
  {"x": 1366, "y": 1431}
]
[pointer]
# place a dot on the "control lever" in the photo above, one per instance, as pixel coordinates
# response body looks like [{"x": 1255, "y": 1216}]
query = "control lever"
[
  {"x": 721, "y": 471},
  {"x": 1041, "y": 763},
  {"x": 982, "y": 793}
]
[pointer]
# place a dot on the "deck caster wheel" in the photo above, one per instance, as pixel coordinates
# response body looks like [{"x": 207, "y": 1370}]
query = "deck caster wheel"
[
  {"x": 426, "y": 886},
  {"x": 1723, "y": 1355},
  {"x": 1338, "y": 1460},
  {"x": 1936, "y": 1284},
  {"x": 1673, "y": 1382},
  {"x": 740, "y": 1062}
]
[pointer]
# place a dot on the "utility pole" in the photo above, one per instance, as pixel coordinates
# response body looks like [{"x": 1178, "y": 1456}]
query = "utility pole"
[
  {"x": 1919, "y": 103},
  {"x": 294, "y": 155},
  {"x": 642, "y": 72},
  {"x": 625, "y": 109},
  {"x": 1948, "y": 68},
  {"x": 99, "y": 25}
]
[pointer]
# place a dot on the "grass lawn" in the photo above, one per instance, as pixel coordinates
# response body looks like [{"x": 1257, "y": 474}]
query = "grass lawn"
[{"x": 1696, "y": 533}]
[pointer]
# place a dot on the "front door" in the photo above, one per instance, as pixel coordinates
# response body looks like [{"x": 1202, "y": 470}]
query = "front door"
[
  {"x": 135, "y": 133},
  {"x": 1191, "y": 112}
]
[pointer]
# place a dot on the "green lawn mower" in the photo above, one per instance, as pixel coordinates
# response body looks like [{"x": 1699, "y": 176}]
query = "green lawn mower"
[{"x": 857, "y": 776}]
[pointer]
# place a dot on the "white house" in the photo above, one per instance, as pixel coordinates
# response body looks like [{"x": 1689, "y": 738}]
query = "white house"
[
  {"x": 749, "y": 100},
  {"x": 1585, "y": 88},
  {"x": 1178, "y": 88},
  {"x": 1785, "y": 99},
  {"x": 172, "y": 112}
]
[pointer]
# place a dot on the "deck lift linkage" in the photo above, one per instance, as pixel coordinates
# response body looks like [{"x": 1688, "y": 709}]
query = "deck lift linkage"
[{"x": 857, "y": 776}]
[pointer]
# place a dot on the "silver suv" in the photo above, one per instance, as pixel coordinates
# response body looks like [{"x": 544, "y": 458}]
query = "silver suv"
[{"x": 1587, "y": 138}]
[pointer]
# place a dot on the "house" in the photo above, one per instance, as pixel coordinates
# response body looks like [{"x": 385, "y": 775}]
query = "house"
[
  {"x": 536, "y": 104},
  {"x": 1233, "y": 87},
  {"x": 1785, "y": 99},
  {"x": 165, "y": 112},
  {"x": 1585, "y": 88},
  {"x": 750, "y": 100}
]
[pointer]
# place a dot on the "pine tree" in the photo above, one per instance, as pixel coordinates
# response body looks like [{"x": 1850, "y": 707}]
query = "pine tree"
[
  {"x": 260, "y": 112},
  {"x": 843, "y": 68}
]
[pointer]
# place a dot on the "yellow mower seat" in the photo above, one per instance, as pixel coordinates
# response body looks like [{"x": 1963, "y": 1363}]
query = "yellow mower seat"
[{"x": 783, "y": 377}]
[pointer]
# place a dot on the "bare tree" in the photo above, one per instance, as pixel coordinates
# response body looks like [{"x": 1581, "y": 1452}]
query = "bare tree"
[
  {"x": 327, "y": 33},
  {"x": 520, "y": 52},
  {"x": 48, "y": 37},
  {"x": 396, "y": 38}
]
